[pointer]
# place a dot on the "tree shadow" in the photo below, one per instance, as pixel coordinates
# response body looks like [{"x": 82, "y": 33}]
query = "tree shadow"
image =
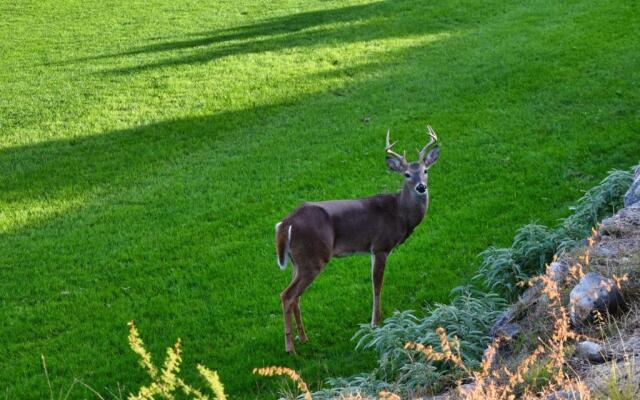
[
  {"x": 41, "y": 171},
  {"x": 361, "y": 23},
  {"x": 44, "y": 170}
]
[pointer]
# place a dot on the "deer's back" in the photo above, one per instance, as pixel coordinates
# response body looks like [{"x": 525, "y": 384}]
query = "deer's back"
[{"x": 350, "y": 226}]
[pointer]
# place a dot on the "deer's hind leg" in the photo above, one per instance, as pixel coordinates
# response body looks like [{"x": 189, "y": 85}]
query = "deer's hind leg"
[
  {"x": 307, "y": 269},
  {"x": 290, "y": 304},
  {"x": 296, "y": 313},
  {"x": 299, "y": 325}
]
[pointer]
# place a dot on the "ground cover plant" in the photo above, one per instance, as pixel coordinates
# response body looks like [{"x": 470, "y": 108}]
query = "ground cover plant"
[{"x": 147, "y": 149}]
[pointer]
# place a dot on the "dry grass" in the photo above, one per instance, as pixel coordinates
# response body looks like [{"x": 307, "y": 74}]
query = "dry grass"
[
  {"x": 548, "y": 356},
  {"x": 288, "y": 372},
  {"x": 618, "y": 378},
  {"x": 165, "y": 383}
]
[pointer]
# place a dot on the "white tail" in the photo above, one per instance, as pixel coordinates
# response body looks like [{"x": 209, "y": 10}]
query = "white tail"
[{"x": 282, "y": 246}]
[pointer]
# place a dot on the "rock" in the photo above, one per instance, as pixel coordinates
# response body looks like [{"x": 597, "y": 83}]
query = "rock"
[
  {"x": 630, "y": 214},
  {"x": 593, "y": 293},
  {"x": 603, "y": 251},
  {"x": 502, "y": 320},
  {"x": 531, "y": 296},
  {"x": 624, "y": 223},
  {"x": 558, "y": 271},
  {"x": 633, "y": 194},
  {"x": 591, "y": 351},
  {"x": 467, "y": 389},
  {"x": 565, "y": 395},
  {"x": 507, "y": 331},
  {"x": 505, "y": 327}
]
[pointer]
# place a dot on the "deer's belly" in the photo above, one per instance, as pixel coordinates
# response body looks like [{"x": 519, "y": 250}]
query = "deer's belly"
[
  {"x": 352, "y": 249},
  {"x": 351, "y": 253}
]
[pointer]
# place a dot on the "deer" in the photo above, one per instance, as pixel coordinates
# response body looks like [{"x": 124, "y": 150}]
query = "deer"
[{"x": 315, "y": 232}]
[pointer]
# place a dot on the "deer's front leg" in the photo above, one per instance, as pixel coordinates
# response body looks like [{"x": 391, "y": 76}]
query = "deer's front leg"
[{"x": 378, "y": 261}]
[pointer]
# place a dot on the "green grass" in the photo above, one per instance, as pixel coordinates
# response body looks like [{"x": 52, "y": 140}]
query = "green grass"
[{"x": 147, "y": 150}]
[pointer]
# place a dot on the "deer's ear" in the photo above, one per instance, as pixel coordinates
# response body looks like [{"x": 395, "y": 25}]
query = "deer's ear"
[
  {"x": 431, "y": 157},
  {"x": 395, "y": 164}
]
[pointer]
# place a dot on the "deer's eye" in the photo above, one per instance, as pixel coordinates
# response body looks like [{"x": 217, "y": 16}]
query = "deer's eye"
[{"x": 408, "y": 175}]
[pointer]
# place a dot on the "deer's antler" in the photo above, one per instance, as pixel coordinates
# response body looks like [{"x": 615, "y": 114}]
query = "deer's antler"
[
  {"x": 388, "y": 148},
  {"x": 433, "y": 138}
]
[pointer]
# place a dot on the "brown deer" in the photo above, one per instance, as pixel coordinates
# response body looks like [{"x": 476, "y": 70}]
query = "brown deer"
[{"x": 317, "y": 231}]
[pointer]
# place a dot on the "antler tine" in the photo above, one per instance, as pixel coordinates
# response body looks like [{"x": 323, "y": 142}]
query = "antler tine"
[
  {"x": 432, "y": 139},
  {"x": 388, "y": 147}
]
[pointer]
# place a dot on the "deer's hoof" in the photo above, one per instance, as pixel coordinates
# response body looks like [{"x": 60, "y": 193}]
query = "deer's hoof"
[{"x": 303, "y": 339}]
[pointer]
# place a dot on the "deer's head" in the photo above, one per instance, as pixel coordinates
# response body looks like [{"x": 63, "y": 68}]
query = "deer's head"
[{"x": 416, "y": 173}]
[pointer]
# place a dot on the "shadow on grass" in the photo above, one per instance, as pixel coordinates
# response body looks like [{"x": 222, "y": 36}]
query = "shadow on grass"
[
  {"x": 380, "y": 20},
  {"x": 115, "y": 159},
  {"x": 42, "y": 170}
]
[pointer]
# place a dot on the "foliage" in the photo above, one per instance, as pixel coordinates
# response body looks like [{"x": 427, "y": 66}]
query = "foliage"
[
  {"x": 501, "y": 269},
  {"x": 538, "y": 375},
  {"x": 466, "y": 317},
  {"x": 366, "y": 384},
  {"x": 472, "y": 312},
  {"x": 598, "y": 202},
  {"x": 288, "y": 372},
  {"x": 499, "y": 272},
  {"x": 532, "y": 247}
]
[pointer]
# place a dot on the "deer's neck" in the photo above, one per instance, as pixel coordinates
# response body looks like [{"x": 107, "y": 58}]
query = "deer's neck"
[{"x": 412, "y": 207}]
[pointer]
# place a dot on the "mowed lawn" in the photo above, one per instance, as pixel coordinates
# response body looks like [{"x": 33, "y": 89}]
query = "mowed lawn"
[{"x": 148, "y": 148}]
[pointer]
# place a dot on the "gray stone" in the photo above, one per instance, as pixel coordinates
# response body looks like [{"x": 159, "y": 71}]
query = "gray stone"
[
  {"x": 624, "y": 223},
  {"x": 505, "y": 325},
  {"x": 630, "y": 214},
  {"x": 467, "y": 388},
  {"x": 592, "y": 351},
  {"x": 501, "y": 321},
  {"x": 507, "y": 331},
  {"x": 593, "y": 293},
  {"x": 605, "y": 251},
  {"x": 633, "y": 194},
  {"x": 565, "y": 395},
  {"x": 558, "y": 271}
]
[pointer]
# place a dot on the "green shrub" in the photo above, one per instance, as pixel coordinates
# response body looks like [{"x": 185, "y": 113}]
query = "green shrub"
[
  {"x": 598, "y": 202},
  {"x": 498, "y": 272},
  {"x": 468, "y": 318},
  {"x": 533, "y": 246}
]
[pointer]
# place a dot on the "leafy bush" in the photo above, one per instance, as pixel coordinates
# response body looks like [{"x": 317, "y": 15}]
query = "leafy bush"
[
  {"x": 468, "y": 318},
  {"x": 352, "y": 387},
  {"x": 597, "y": 203},
  {"x": 499, "y": 272},
  {"x": 502, "y": 268},
  {"x": 534, "y": 245}
]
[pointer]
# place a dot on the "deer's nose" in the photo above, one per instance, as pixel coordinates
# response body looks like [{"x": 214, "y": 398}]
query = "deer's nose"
[{"x": 421, "y": 188}]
